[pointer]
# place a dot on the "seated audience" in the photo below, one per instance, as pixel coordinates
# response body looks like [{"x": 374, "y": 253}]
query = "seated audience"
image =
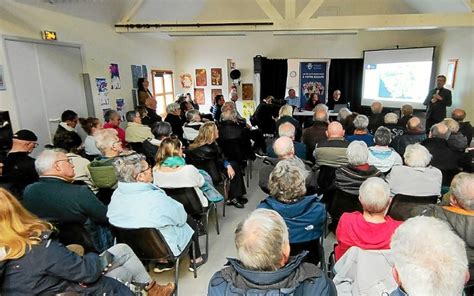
[
  {"x": 312, "y": 102},
  {"x": 429, "y": 259},
  {"x": 55, "y": 199},
  {"x": 152, "y": 116},
  {"x": 415, "y": 133},
  {"x": 391, "y": 122},
  {"x": 342, "y": 114},
  {"x": 136, "y": 132},
  {"x": 377, "y": 117},
  {"x": 348, "y": 123},
  {"x": 304, "y": 215},
  {"x": 456, "y": 141},
  {"x": 332, "y": 151},
  {"x": 317, "y": 132},
  {"x": 361, "y": 133},
  {"x": 406, "y": 114},
  {"x": 284, "y": 149},
  {"x": 234, "y": 140},
  {"x": 285, "y": 114},
  {"x": 171, "y": 170},
  {"x": 137, "y": 203},
  {"x": 191, "y": 127},
  {"x": 90, "y": 126},
  {"x": 34, "y": 262},
  {"x": 112, "y": 120},
  {"x": 465, "y": 127},
  {"x": 264, "y": 116},
  {"x": 174, "y": 119},
  {"x": 265, "y": 264},
  {"x": 68, "y": 124},
  {"x": 216, "y": 108},
  {"x": 160, "y": 131},
  {"x": 444, "y": 158},
  {"x": 372, "y": 229},
  {"x": 381, "y": 156},
  {"x": 288, "y": 130},
  {"x": 351, "y": 176},
  {"x": 416, "y": 177},
  {"x": 18, "y": 167},
  {"x": 459, "y": 214}
]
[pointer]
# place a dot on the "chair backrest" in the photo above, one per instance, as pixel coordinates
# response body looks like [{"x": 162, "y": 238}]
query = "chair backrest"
[
  {"x": 326, "y": 179},
  {"x": 211, "y": 166},
  {"x": 147, "y": 243},
  {"x": 344, "y": 202},
  {"x": 75, "y": 233},
  {"x": 402, "y": 206},
  {"x": 137, "y": 147},
  {"x": 188, "y": 197}
]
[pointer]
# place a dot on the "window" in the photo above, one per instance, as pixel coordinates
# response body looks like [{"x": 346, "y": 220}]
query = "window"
[{"x": 163, "y": 89}]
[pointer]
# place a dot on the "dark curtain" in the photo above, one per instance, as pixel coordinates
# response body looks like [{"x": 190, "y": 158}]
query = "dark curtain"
[
  {"x": 273, "y": 78},
  {"x": 346, "y": 75}
]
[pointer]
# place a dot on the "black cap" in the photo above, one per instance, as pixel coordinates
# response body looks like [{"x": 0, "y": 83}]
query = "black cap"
[{"x": 25, "y": 135}]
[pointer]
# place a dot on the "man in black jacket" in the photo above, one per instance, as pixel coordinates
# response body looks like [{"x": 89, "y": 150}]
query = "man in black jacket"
[
  {"x": 414, "y": 134},
  {"x": 465, "y": 127},
  {"x": 436, "y": 102}
]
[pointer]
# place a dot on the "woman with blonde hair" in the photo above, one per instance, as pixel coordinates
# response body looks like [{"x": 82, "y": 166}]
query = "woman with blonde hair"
[
  {"x": 286, "y": 115},
  {"x": 33, "y": 262}
]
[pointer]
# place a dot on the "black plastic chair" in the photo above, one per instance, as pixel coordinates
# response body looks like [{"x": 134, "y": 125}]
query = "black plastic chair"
[
  {"x": 343, "y": 202},
  {"x": 402, "y": 206},
  {"x": 75, "y": 233},
  {"x": 149, "y": 245}
]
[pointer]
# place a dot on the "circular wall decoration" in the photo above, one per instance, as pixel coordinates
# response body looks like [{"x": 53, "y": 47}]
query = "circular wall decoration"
[{"x": 293, "y": 74}]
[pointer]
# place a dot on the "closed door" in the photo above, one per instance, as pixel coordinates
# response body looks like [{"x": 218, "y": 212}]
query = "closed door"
[{"x": 46, "y": 80}]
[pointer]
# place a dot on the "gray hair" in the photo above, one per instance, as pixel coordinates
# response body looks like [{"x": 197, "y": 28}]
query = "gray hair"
[
  {"x": 105, "y": 139},
  {"x": 376, "y": 107},
  {"x": 110, "y": 114},
  {"x": 438, "y": 132},
  {"x": 192, "y": 115},
  {"x": 429, "y": 257},
  {"x": 285, "y": 110},
  {"x": 161, "y": 129},
  {"x": 462, "y": 187},
  {"x": 357, "y": 153},
  {"x": 407, "y": 110},
  {"x": 343, "y": 113},
  {"x": 287, "y": 130},
  {"x": 261, "y": 239},
  {"x": 390, "y": 118},
  {"x": 417, "y": 156},
  {"x": 452, "y": 125},
  {"x": 361, "y": 122},
  {"x": 321, "y": 106},
  {"x": 131, "y": 115},
  {"x": 172, "y": 107},
  {"x": 229, "y": 115},
  {"x": 382, "y": 136},
  {"x": 287, "y": 182},
  {"x": 46, "y": 160},
  {"x": 374, "y": 195},
  {"x": 128, "y": 167}
]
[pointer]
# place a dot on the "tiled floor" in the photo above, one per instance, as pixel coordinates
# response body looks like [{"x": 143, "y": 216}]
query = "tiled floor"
[{"x": 220, "y": 246}]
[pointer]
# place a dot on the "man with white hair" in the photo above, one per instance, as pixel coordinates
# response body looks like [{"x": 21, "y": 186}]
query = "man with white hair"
[
  {"x": 416, "y": 177},
  {"x": 361, "y": 133},
  {"x": 288, "y": 130},
  {"x": 372, "y": 229},
  {"x": 391, "y": 122},
  {"x": 377, "y": 117},
  {"x": 444, "y": 158},
  {"x": 317, "y": 132},
  {"x": 54, "y": 198},
  {"x": 413, "y": 134},
  {"x": 265, "y": 265},
  {"x": 429, "y": 259}
]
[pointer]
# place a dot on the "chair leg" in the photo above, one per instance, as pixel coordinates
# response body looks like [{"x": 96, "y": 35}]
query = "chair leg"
[
  {"x": 176, "y": 276},
  {"x": 251, "y": 169},
  {"x": 217, "y": 219},
  {"x": 247, "y": 175},
  {"x": 194, "y": 259}
]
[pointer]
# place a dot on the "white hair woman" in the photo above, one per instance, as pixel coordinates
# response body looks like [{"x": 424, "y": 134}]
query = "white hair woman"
[
  {"x": 361, "y": 133},
  {"x": 381, "y": 156},
  {"x": 456, "y": 140},
  {"x": 417, "y": 177},
  {"x": 287, "y": 197},
  {"x": 286, "y": 115},
  {"x": 191, "y": 127},
  {"x": 372, "y": 229}
]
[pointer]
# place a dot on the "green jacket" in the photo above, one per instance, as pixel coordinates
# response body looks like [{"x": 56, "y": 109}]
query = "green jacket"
[{"x": 102, "y": 173}]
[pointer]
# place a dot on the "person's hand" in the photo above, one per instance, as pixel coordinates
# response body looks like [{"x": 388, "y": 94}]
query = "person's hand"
[{"x": 230, "y": 172}]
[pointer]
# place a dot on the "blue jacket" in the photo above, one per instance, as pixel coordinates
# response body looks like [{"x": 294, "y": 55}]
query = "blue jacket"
[
  {"x": 139, "y": 205},
  {"x": 296, "y": 278},
  {"x": 305, "y": 218}
]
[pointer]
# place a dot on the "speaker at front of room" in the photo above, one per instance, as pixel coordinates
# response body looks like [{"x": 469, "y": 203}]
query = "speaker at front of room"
[
  {"x": 257, "y": 64},
  {"x": 6, "y": 133}
]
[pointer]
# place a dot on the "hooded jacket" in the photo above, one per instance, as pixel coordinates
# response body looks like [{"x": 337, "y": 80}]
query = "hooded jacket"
[
  {"x": 295, "y": 278},
  {"x": 304, "y": 218},
  {"x": 383, "y": 158}
]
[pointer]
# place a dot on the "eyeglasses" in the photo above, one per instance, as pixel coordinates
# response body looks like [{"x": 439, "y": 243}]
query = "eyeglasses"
[
  {"x": 145, "y": 170},
  {"x": 34, "y": 144},
  {"x": 65, "y": 159}
]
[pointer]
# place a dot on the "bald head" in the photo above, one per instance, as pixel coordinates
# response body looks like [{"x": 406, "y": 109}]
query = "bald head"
[
  {"x": 287, "y": 130},
  {"x": 283, "y": 147},
  {"x": 335, "y": 130},
  {"x": 376, "y": 107},
  {"x": 440, "y": 131},
  {"x": 458, "y": 114},
  {"x": 414, "y": 124}
]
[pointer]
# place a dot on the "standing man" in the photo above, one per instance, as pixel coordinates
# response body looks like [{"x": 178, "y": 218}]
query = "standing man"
[
  {"x": 292, "y": 99},
  {"x": 436, "y": 102}
]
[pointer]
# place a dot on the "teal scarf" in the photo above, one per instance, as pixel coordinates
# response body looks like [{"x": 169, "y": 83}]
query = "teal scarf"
[{"x": 173, "y": 162}]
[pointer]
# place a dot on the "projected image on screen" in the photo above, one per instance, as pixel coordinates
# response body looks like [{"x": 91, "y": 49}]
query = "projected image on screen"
[{"x": 396, "y": 77}]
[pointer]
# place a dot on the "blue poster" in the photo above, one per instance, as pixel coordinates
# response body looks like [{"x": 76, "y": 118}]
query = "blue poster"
[{"x": 313, "y": 79}]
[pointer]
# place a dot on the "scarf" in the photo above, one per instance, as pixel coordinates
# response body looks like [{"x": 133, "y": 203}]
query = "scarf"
[{"x": 173, "y": 162}]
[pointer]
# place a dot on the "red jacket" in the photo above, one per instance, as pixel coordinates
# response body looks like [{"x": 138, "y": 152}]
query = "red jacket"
[{"x": 120, "y": 132}]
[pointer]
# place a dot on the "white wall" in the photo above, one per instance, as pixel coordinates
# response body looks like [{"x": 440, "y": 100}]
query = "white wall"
[{"x": 101, "y": 46}]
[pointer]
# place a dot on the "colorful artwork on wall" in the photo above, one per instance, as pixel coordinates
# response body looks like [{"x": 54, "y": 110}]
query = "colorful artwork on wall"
[
  {"x": 201, "y": 77},
  {"x": 199, "y": 96},
  {"x": 186, "y": 80},
  {"x": 216, "y": 76},
  {"x": 114, "y": 76},
  {"x": 247, "y": 91}
]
